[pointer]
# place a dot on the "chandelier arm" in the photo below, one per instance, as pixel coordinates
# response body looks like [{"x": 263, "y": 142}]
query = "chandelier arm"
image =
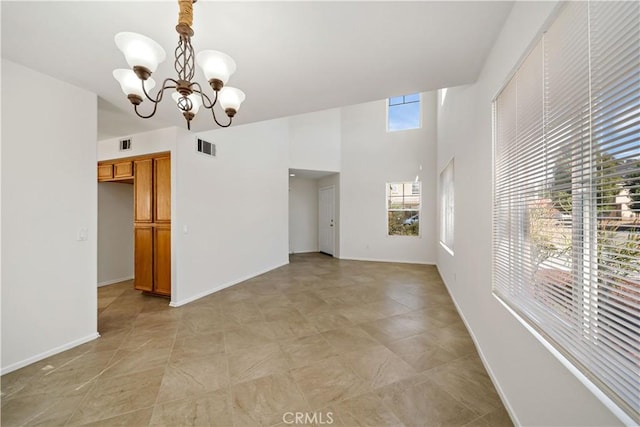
[
  {"x": 198, "y": 89},
  {"x": 161, "y": 91},
  {"x": 155, "y": 107},
  {"x": 213, "y": 113}
]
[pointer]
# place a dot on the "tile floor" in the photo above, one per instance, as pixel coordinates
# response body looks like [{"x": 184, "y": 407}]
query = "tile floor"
[{"x": 331, "y": 342}]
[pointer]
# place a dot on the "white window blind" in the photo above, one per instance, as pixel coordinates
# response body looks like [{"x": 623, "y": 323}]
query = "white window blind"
[
  {"x": 566, "y": 218},
  {"x": 447, "y": 205}
]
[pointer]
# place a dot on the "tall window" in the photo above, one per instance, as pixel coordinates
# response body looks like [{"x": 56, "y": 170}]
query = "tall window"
[
  {"x": 403, "y": 208},
  {"x": 446, "y": 206},
  {"x": 566, "y": 222},
  {"x": 403, "y": 112}
]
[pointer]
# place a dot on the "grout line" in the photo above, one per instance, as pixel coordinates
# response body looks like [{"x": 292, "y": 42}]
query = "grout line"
[{"x": 66, "y": 363}]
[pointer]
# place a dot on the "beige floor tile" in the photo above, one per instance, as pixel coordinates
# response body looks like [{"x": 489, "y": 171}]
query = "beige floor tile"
[
  {"x": 466, "y": 380},
  {"x": 364, "y": 410},
  {"x": 350, "y": 339},
  {"x": 423, "y": 404},
  {"x": 197, "y": 346},
  {"x": 207, "y": 410},
  {"x": 394, "y": 328},
  {"x": 141, "y": 417},
  {"x": 193, "y": 377},
  {"x": 131, "y": 362},
  {"x": 496, "y": 418},
  {"x": 328, "y": 320},
  {"x": 306, "y": 350},
  {"x": 378, "y": 366},
  {"x": 307, "y": 337},
  {"x": 328, "y": 382},
  {"x": 421, "y": 352},
  {"x": 258, "y": 362},
  {"x": 38, "y": 410},
  {"x": 243, "y": 338},
  {"x": 118, "y": 395},
  {"x": 266, "y": 400}
]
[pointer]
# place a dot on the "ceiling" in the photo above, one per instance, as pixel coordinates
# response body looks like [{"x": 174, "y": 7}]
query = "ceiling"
[{"x": 292, "y": 57}]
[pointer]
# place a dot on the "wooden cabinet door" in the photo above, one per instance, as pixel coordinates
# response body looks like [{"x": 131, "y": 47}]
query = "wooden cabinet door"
[
  {"x": 143, "y": 191},
  {"x": 162, "y": 260},
  {"x": 143, "y": 248},
  {"x": 105, "y": 172},
  {"x": 123, "y": 170},
  {"x": 162, "y": 189}
]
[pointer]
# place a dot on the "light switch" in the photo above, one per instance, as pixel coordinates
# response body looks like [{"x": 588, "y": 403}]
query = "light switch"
[
  {"x": 83, "y": 234},
  {"x": 185, "y": 229}
]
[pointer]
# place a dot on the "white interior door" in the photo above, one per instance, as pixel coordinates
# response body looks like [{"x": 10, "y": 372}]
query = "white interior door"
[{"x": 326, "y": 221}]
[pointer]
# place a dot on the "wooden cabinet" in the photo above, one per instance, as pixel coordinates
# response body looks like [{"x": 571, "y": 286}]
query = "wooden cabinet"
[
  {"x": 162, "y": 259},
  {"x": 105, "y": 172},
  {"x": 151, "y": 179},
  {"x": 162, "y": 189},
  {"x": 143, "y": 191},
  {"x": 123, "y": 170},
  {"x": 143, "y": 263},
  {"x": 152, "y": 224},
  {"x": 115, "y": 170}
]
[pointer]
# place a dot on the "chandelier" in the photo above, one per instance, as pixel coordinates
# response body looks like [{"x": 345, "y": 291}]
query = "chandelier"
[{"x": 143, "y": 56}]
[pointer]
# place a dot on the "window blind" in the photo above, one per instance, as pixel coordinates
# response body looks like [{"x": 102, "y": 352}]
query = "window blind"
[{"x": 566, "y": 214}]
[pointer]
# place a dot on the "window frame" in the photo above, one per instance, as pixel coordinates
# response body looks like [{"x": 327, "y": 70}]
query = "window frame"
[
  {"x": 447, "y": 202},
  {"x": 418, "y": 210},
  {"x": 388, "y": 107},
  {"x": 587, "y": 218}
]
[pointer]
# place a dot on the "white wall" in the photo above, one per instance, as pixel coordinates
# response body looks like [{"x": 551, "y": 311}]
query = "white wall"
[
  {"x": 156, "y": 141},
  {"x": 234, "y": 208},
  {"x": 49, "y": 296},
  {"x": 371, "y": 157},
  {"x": 314, "y": 141},
  {"x": 536, "y": 388},
  {"x": 115, "y": 232},
  {"x": 303, "y": 215}
]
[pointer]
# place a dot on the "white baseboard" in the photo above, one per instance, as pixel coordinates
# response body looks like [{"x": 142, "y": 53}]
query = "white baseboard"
[
  {"x": 399, "y": 261},
  {"x": 45, "y": 354},
  {"x": 223, "y": 286},
  {"x": 111, "y": 282}
]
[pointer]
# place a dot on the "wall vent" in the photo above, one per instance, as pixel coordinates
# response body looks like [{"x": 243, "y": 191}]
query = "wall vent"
[
  {"x": 125, "y": 144},
  {"x": 206, "y": 147}
]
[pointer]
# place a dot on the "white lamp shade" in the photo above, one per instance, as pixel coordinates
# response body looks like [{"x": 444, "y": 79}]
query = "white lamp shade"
[
  {"x": 216, "y": 65},
  {"x": 230, "y": 97},
  {"x": 131, "y": 84},
  {"x": 196, "y": 101},
  {"x": 140, "y": 50}
]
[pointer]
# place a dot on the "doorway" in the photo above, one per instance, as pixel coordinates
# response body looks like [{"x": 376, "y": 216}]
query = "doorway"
[{"x": 326, "y": 220}]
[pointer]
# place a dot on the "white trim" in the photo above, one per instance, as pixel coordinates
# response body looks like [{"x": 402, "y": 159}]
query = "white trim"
[
  {"x": 45, "y": 354},
  {"x": 601, "y": 396},
  {"x": 111, "y": 282},
  {"x": 446, "y": 248},
  {"x": 399, "y": 261},
  {"x": 223, "y": 286}
]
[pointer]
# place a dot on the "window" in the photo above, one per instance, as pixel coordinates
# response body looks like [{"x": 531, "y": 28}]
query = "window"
[
  {"x": 446, "y": 207},
  {"x": 403, "y": 112},
  {"x": 403, "y": 208},
  {"x": 566, "y": 220}
]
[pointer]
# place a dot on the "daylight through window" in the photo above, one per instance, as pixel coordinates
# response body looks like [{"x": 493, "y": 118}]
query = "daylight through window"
[
  {"x": 447, "y": 206},
  {"x": 403, "y": 112},
  {"x": 566, "y": 222},
  {"x": 403, "y": 208}
]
